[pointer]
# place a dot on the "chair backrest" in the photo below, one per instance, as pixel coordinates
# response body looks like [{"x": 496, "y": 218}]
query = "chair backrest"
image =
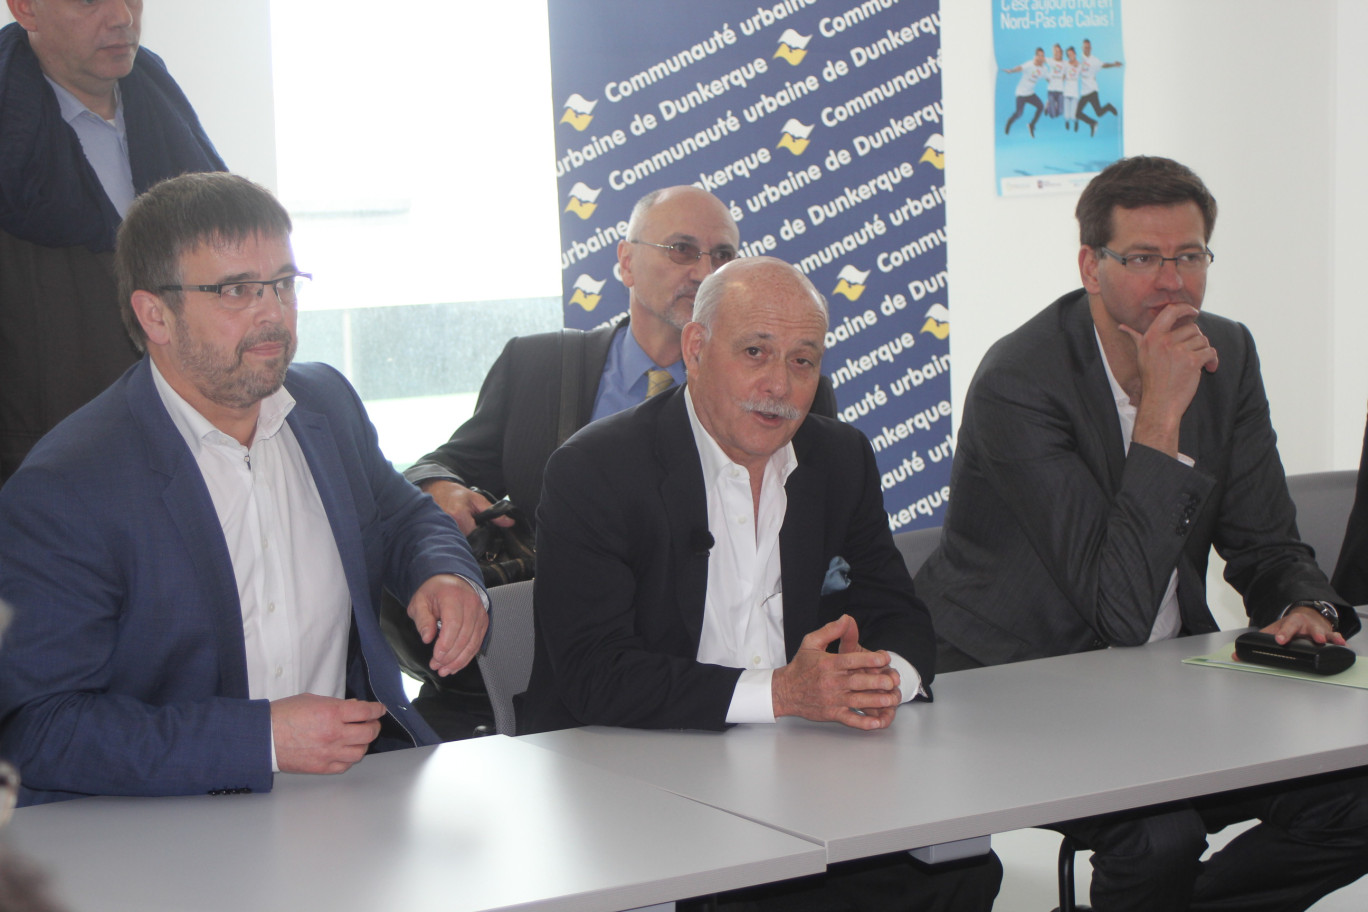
[
  {"x": 506, "y": 663},
  {"x": 916, "y": 546},
  {"x": 1323, "y": 500}
]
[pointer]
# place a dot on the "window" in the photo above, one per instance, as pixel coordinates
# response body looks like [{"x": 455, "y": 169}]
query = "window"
[{"x": 415, "y": 151}]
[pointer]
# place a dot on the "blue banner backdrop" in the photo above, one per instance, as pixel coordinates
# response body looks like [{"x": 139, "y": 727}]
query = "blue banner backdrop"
[{"x": 819, "y": 124}]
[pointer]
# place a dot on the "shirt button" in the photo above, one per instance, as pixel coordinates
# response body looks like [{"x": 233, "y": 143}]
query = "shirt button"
[
  {"x": 755, "y": 660},
  {"x": 270, "y": 608},
  {"x": 280, "y": 672}
]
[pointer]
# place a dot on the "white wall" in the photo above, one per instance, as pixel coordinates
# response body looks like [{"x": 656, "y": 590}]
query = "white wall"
[{"x": 1279, "y": 147}]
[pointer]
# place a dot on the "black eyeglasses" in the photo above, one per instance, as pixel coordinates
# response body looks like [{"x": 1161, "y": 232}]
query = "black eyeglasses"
[
  {"x": 1145, "y": 263},
  {"x": 248, "y": 293},
  {"x": 686, "y": 254}
]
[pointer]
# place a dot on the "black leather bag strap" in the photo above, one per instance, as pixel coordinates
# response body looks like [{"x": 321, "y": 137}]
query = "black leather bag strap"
[{"x": 572, "y": 382}]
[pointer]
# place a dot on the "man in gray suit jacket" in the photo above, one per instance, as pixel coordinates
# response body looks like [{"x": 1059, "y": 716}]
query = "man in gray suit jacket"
[{"x": 1106, "y": 446}]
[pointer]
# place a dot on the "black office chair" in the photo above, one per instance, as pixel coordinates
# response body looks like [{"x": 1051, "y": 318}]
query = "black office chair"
[{"x": 1068, "y": 848}]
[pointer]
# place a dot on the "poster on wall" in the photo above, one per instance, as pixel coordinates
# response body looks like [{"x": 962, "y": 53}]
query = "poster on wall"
[
  {"x": 819, "y": 125},
  {"x": 1058, "y": 101}
]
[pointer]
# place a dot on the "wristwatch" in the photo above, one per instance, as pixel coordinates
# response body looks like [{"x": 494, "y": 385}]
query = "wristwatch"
[{"x": 1325, "y": 609}]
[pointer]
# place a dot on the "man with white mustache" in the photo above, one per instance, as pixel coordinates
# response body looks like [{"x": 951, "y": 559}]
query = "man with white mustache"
[{"x": 698, "y": 554}]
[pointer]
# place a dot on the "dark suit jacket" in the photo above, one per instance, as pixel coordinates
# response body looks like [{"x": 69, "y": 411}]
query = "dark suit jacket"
[
  {"x": 504, "y": 446},
  {"x": 1351, "y": 568},
  {"x": 1055, "y": 541},
  {"x": 124, "y": 671},
  {"x": 622, "y": 570}
]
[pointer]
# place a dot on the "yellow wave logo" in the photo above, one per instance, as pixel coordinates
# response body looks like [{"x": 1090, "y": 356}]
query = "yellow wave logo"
[
  {"x": 937, "y": 322},
  {"x": 578, "y": 112},
  {"x": 850, "y": 282},
  {"x": 583, "y": 200},
  {"x": 587, "y": 291},
  {"x": 792, "y": 47},
  {"x": 795, "y": 137},
  {"x": 935, "y": 151}
]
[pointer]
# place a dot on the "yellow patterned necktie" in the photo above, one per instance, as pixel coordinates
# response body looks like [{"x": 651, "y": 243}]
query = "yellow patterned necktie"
[{"x": 657, "y": 381}]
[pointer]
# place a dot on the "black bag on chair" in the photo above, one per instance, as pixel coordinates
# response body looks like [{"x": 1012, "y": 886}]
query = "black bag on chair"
[{"x": 505, "y": 554}]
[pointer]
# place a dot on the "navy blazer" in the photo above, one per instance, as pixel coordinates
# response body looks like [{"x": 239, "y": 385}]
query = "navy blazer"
[
  {"x": 124, "y": 672},
  {"x": 622, "y": 568}
]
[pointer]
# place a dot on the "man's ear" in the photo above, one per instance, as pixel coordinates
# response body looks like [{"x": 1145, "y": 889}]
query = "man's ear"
[
  {"x": 624, "y": 253},
  {"x": 1087, "y": 269},
  {"x": 151, "y": 312},
  {"x": 22, "y": 11},
  {"x": 691, "y": 343}
]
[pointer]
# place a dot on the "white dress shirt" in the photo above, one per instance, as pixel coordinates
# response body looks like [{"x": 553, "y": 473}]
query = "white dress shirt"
[
  {"x": 743, "y": 609},
  {"x": 296, "y": 608}
]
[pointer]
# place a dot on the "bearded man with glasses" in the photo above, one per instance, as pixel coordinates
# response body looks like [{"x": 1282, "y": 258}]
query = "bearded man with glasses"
[
  {"x": 195, "y": 558},
  {"x": 1107, "y": 445}
]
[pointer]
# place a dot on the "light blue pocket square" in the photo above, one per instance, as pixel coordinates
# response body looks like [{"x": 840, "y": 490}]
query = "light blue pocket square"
[{"x": 837, "y": 576}]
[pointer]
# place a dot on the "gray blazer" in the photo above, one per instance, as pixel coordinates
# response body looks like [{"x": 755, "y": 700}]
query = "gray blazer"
[{"x": 1055, "y": 541}]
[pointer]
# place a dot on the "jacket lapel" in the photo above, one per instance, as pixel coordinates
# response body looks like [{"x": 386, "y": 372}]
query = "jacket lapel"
[
  {"x": 801, "y": 543},
  {"x": 686, "y": 510},
  {"x": 316, "y": 441},
  {"x": 1103, "y": 425},
  {"x": 191, "y": 509}
]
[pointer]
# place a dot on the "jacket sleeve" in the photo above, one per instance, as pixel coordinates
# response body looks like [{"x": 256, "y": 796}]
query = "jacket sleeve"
[
  {"x": 1109, "y": 555},
  {"x": 605, "y": 605},
  {"x": 110, "y": 681}
]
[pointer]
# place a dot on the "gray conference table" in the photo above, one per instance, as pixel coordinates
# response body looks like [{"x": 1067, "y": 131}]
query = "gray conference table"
[
  {"x": 474, "y": 825},
  {"x": 1004, "y": 748}
]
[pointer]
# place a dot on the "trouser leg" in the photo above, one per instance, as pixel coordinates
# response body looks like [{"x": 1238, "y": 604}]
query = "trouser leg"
[
  {"x": 1142, "y": 861},
  {"x": 1312, "y": 840}
]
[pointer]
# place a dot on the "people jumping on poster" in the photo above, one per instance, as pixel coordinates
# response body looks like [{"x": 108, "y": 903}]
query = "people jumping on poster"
[
  {"x": 1031, "y": 72},
  {"x": 1071, "y": 70},
  {"x": 1090, "y": 67},
  {"x": 1054, "y": 104}
]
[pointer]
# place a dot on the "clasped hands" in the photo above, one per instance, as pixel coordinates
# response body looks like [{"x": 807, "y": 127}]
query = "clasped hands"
[{"x": 854, "y": 686}]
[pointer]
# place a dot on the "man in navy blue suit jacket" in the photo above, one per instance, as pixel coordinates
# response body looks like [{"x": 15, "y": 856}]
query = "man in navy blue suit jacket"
[{"x": 195, "y": 558}]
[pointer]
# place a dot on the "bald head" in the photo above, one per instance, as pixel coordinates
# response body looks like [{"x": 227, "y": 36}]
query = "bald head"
[
  {"x": 675, "y": 239},
  {"x": 752, "y": 277}
]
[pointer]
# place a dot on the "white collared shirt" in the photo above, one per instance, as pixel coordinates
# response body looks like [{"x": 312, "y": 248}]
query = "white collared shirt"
[
  {"x": 1168, "y": 622},
  {"x": 296, "y": 608},
  {"x": 743, "y": 609}
]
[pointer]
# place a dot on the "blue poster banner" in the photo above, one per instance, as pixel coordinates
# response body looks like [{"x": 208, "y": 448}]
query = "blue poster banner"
[
  {"x": 818, "y": 124},
  {"x": 1058, "y": 101}
]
